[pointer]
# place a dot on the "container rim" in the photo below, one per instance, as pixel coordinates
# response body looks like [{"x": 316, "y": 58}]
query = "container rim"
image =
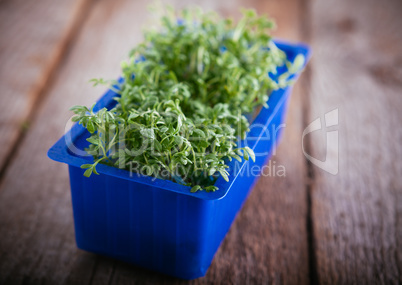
[{"x": 59, "y": 151}]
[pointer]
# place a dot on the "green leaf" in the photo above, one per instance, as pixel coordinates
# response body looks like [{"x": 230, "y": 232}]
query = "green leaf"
[
  {"x": 250, "y": 153},
  {"x": 211, "y": 188},
  {"x": 157, "y": 145},
  {"x": 91, "y": 127},
  {"x": 224, "y": 175},
  {"x": 148, "y": 133},
  {"x": 236, "y": 157},
  {"x": 204, "y": 144},
  {"x": 94, "y": 170},
  {"x": 245, "y": 155},
  {"x": 298, "y": 64},
  {"x": 211, "y": 171},
  {"x": 75, "y": 118},
  {"x": 200, "y": 133},
  {"x": 88, "y": 172},
  {"x": 93, "y": 141},
  {"x": 164, "y": 129},
  {"x": 97, "y": 81},
  {"x": 195, "y": 188},
  {"x": 84, "y": 166},
  {"x": 178, "y": 140}
]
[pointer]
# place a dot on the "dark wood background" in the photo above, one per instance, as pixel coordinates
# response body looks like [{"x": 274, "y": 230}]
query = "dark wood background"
[{"x": 307, "y": 227}]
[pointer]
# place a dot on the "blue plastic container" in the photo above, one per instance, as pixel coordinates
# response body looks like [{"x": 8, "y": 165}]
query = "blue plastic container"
[{"x": 160, "y": 224}]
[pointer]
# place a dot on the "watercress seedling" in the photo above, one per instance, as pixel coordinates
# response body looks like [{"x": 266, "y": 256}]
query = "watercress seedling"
[{"x": 185, "y": 93}]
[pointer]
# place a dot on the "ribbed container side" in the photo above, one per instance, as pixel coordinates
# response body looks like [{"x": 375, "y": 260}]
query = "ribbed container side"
[
  {"x": 141, "y": 224},
  {"x": 159, "y": 224}
]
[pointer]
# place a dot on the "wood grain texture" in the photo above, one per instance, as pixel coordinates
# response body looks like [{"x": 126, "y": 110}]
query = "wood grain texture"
[
  {"x": 357, "y": 69},
  {"x": 34, "y": 38},
  {"x": 268, "y": 241}
]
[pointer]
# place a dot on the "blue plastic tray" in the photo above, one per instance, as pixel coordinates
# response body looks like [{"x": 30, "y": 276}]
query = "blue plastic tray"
[{"x": 160, "y": 224}]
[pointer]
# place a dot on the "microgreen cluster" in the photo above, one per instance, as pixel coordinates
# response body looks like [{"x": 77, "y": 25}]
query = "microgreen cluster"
[{"x": 183, "y": 98}]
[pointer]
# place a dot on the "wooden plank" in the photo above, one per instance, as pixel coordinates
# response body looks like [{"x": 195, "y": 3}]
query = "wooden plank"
[
  {"x": 268, "y": 241},
  {"x": 37, "y": 242},
  {"x": 357, "y": 70},
  {"x": 34, "y": 35}
]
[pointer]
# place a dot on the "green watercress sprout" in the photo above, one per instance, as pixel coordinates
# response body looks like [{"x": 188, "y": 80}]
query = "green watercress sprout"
[{"x": 186, "y": 90}]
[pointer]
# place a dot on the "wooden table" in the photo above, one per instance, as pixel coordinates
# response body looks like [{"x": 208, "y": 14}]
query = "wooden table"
[{"x": 307, "y": 227}]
